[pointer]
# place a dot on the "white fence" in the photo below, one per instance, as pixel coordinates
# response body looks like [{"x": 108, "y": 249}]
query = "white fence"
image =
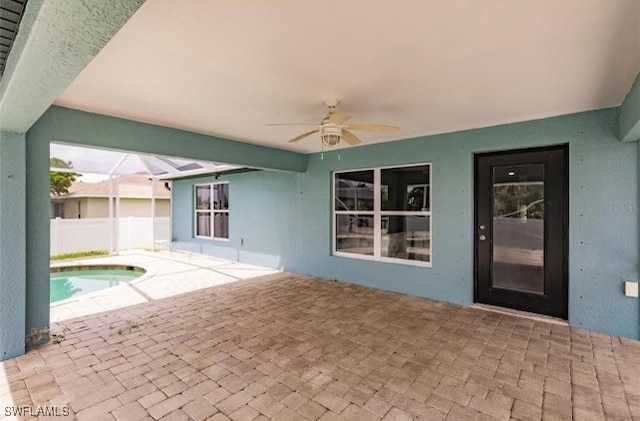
[{"x": 73, "y": 235}]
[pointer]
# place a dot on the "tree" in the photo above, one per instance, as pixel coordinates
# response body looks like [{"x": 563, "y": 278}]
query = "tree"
[
  {"x": 59, "y": 182},
  {"x": 516, "y": 200}
]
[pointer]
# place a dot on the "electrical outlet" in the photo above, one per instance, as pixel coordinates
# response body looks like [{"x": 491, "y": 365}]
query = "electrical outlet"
[{"x": 631, "y": 289}]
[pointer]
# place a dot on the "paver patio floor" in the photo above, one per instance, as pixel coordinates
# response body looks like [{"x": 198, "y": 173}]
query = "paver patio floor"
[{"x": 292, "y": 347}]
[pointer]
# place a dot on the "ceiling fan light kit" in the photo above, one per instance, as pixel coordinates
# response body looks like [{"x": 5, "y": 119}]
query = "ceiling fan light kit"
[{"x": 331, "y": 136}]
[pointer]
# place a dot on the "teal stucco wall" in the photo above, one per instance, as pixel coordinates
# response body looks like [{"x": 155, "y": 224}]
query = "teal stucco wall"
[
  {"x": 263, "y": 216},
  {"x": 37, "y": 234},
  {"x": 284, "y": 220},
  {"x": 12, "y": 244}
]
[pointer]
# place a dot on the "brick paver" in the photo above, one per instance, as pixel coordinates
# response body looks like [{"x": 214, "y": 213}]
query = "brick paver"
[{"x": 300, "y": 348}]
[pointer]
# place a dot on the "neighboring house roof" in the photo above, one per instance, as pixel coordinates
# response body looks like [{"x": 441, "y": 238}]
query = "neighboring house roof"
[{"x": 131, "y": 186}]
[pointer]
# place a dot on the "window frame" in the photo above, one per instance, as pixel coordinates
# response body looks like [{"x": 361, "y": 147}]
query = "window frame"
[
  {"x": 378, "y": 214},
  {"x": 211, "y": 211}
]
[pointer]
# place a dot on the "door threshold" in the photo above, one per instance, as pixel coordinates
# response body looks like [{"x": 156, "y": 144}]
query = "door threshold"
[{"x": 520, "y": 313}]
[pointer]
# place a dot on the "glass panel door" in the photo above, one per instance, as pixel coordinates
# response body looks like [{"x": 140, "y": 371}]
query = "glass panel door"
[
  {"x": 518, "y": 228},
  {"x": 521, "y": 217}
]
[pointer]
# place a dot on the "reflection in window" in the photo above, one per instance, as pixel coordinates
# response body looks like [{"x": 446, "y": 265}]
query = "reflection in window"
[
  {"x": 221, "y": 224},
  {"x": 212, "y": 210},
  {"x": 354, "y": 234},
  {"x": 203, "y": 224},
  {"x": 384, "y": 213},
  {"x": 354, "y": 191},
  {"x": 203, "y": 197},
  {"x": 405, "y": 188},
  {"x": 406, "y": 237},
  {"x": 221, "y": 196},
  {"x": 518, "y": 228},
  {"x": 418, "y": 197}
]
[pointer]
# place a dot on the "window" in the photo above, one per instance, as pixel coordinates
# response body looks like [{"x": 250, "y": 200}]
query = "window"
[
  {"x": 212, "y": 210},
  {"x": 383, "y": 214}
]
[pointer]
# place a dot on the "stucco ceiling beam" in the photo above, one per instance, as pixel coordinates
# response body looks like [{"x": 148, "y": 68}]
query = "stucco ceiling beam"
[
  {"x": 56, "y": 40},
  {"x": 65, "y": 125}
]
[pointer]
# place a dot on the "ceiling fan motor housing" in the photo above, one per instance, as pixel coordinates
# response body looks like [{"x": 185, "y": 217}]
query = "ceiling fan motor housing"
[{"x": 331, "y": 136}]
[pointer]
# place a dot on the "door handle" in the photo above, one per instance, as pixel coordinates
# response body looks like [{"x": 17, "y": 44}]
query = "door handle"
[{"x": 482, "y": 237}]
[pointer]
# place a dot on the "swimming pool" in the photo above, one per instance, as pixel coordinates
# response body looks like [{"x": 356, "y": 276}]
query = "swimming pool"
[{"x": 73, "y": 281}]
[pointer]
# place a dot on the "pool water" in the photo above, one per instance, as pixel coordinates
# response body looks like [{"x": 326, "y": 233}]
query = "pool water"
[{"x": 69, "y": 284}]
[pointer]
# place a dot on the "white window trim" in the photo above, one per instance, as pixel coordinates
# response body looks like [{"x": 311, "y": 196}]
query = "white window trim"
[
  {"x": 377, "y": 217},
  {"x": 210, "y": 211}
]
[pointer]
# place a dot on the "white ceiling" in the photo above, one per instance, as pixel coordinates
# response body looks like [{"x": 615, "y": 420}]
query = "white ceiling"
[{"x": 228, "y": 67}]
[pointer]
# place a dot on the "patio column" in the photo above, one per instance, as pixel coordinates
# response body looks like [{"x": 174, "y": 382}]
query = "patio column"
[
  {"x": 38, "y": 232},
  {"x": 153, "y": 214},
  {"x": 12, "y": 244}
]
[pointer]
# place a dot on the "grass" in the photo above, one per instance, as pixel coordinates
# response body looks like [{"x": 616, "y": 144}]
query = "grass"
[{"x": 79, "y": 254}]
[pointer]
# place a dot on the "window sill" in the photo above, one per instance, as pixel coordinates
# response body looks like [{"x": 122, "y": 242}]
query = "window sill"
[
  {"x": 417, "y": 263},
  {"x": 199, "y": 237}
]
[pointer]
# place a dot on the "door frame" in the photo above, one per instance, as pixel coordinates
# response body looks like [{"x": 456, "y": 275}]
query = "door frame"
[{"x": 565, "y": 215}]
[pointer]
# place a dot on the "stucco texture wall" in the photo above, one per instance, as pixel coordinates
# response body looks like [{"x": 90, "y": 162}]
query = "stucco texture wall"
[
  {"x": 262, "y": 219},
  {"x": 284, "y": 220},
  {"x": 12, "y": 245}
]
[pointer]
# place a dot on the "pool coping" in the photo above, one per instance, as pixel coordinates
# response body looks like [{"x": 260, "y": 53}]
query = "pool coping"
[{"x": 74, "y": 268}]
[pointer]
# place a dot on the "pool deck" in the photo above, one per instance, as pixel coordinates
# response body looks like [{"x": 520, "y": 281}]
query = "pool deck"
[{"x": 160, "y": 281}]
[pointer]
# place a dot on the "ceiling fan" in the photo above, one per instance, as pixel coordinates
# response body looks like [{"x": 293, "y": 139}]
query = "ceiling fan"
[{"x": 334, "y": 128}]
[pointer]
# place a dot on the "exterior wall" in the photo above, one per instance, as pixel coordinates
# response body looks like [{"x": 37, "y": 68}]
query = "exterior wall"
[
  {"x": 285, "y": 219},
  {"x": 262, "y": 219},
  {"x": 72, "y": 206},
  {"x": 12, "y": 244},
  {"x": 98, "y": 207}
]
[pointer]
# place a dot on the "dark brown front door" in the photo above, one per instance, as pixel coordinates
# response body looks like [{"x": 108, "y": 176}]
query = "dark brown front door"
[{"x": 521, "y": 228}]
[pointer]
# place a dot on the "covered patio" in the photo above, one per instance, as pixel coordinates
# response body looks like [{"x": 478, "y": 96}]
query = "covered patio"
[
  {"x": 474, "y": 257},
  {"x": 293, "y": 347}
]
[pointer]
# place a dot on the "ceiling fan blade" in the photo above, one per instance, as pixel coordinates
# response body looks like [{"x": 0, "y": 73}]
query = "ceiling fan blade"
[
  {"x": 337, "y": 117},
  {"x": 350, "y": 138},
  {"x": 290, "y": 124},
  {"x": 303, "y": 135},
  {"x": 374, "y": 128}
]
